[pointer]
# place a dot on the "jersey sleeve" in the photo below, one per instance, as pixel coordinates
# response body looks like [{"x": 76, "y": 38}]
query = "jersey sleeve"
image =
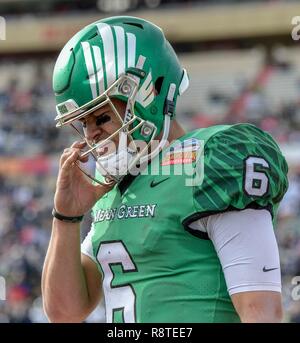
[{"x": 243, "y": 168}]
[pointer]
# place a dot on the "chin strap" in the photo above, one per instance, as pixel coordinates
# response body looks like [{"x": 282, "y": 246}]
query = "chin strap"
[{"x": 168, "y": 113}]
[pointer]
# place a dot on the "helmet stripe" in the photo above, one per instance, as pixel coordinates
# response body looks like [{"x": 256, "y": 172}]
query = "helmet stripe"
[
  {"x": 90, "y": 67},
  {"x": 109, "y": 52},
  {"x": 116, "y": 51},
  {"x": 131, "y": 49},
  {"x": 120, "y": 36},
  {"x": 99, "y": 67}
]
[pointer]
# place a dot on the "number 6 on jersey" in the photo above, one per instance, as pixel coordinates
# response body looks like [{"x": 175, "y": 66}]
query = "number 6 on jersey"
[
  {"x": 256, "y": 182},
  {"x": 121, "y": 297}
]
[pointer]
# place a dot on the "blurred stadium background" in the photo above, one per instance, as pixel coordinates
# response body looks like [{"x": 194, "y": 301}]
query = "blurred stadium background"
[{"x": 244, "y": 66}]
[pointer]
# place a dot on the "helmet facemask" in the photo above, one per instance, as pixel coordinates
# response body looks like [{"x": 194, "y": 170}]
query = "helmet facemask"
[{"x": 118, "y": 162}]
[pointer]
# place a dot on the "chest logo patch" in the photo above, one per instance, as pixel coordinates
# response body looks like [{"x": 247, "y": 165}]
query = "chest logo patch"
[{"x": 184, "y": 152}]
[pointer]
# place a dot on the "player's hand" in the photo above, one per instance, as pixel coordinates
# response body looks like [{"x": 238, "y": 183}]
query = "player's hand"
[{"x": 75, "y": 193}]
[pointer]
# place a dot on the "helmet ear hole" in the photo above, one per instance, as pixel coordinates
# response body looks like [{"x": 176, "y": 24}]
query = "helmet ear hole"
[{"x": 158, "y": 84}]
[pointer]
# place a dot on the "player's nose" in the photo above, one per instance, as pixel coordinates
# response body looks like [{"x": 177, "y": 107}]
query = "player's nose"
[{"x": 93, "y": 132}]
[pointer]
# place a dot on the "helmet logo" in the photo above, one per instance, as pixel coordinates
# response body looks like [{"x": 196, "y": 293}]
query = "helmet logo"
[
  {"x": 105, "y": 66},
  {"x": 145, "y": 94}
]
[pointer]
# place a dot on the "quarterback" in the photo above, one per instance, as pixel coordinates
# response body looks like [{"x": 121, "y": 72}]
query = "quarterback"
[{"x": 182, "y": 221}]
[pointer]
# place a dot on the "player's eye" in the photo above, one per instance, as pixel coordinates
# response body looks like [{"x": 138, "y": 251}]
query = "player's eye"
[
  {"x": 99, "y": 120},
  {"x": 102, "y": 119}
]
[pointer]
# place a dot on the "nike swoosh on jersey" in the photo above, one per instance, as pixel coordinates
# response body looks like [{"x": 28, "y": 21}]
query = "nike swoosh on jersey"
[
  {"x": 268, "y": 269},
  {"x": 154, "y": 184}
]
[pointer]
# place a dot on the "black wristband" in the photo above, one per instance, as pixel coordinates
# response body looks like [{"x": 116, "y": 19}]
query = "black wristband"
[{"x": 65, "y": 218}]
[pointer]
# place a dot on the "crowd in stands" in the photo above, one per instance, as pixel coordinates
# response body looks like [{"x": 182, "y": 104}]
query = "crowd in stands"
[
  {"x": 107, "y": 6},
  {"x": 27, "y": 129}
]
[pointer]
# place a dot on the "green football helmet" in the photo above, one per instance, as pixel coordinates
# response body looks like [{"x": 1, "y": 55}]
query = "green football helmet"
[{"x": 129, "y": 59}]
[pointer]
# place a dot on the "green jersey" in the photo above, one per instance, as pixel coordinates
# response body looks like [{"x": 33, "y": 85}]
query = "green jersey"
[{"x": 155, "y": 268}]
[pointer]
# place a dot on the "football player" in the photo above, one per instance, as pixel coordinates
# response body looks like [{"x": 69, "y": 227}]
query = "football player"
[{"x": 182, "y": 229}]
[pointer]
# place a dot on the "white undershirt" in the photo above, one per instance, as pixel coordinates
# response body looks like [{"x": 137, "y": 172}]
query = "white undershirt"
[{"x": 247, "y": 249}]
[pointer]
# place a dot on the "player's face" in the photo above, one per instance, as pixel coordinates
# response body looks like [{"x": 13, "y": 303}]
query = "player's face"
[{"x": 102, "y": 123}]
